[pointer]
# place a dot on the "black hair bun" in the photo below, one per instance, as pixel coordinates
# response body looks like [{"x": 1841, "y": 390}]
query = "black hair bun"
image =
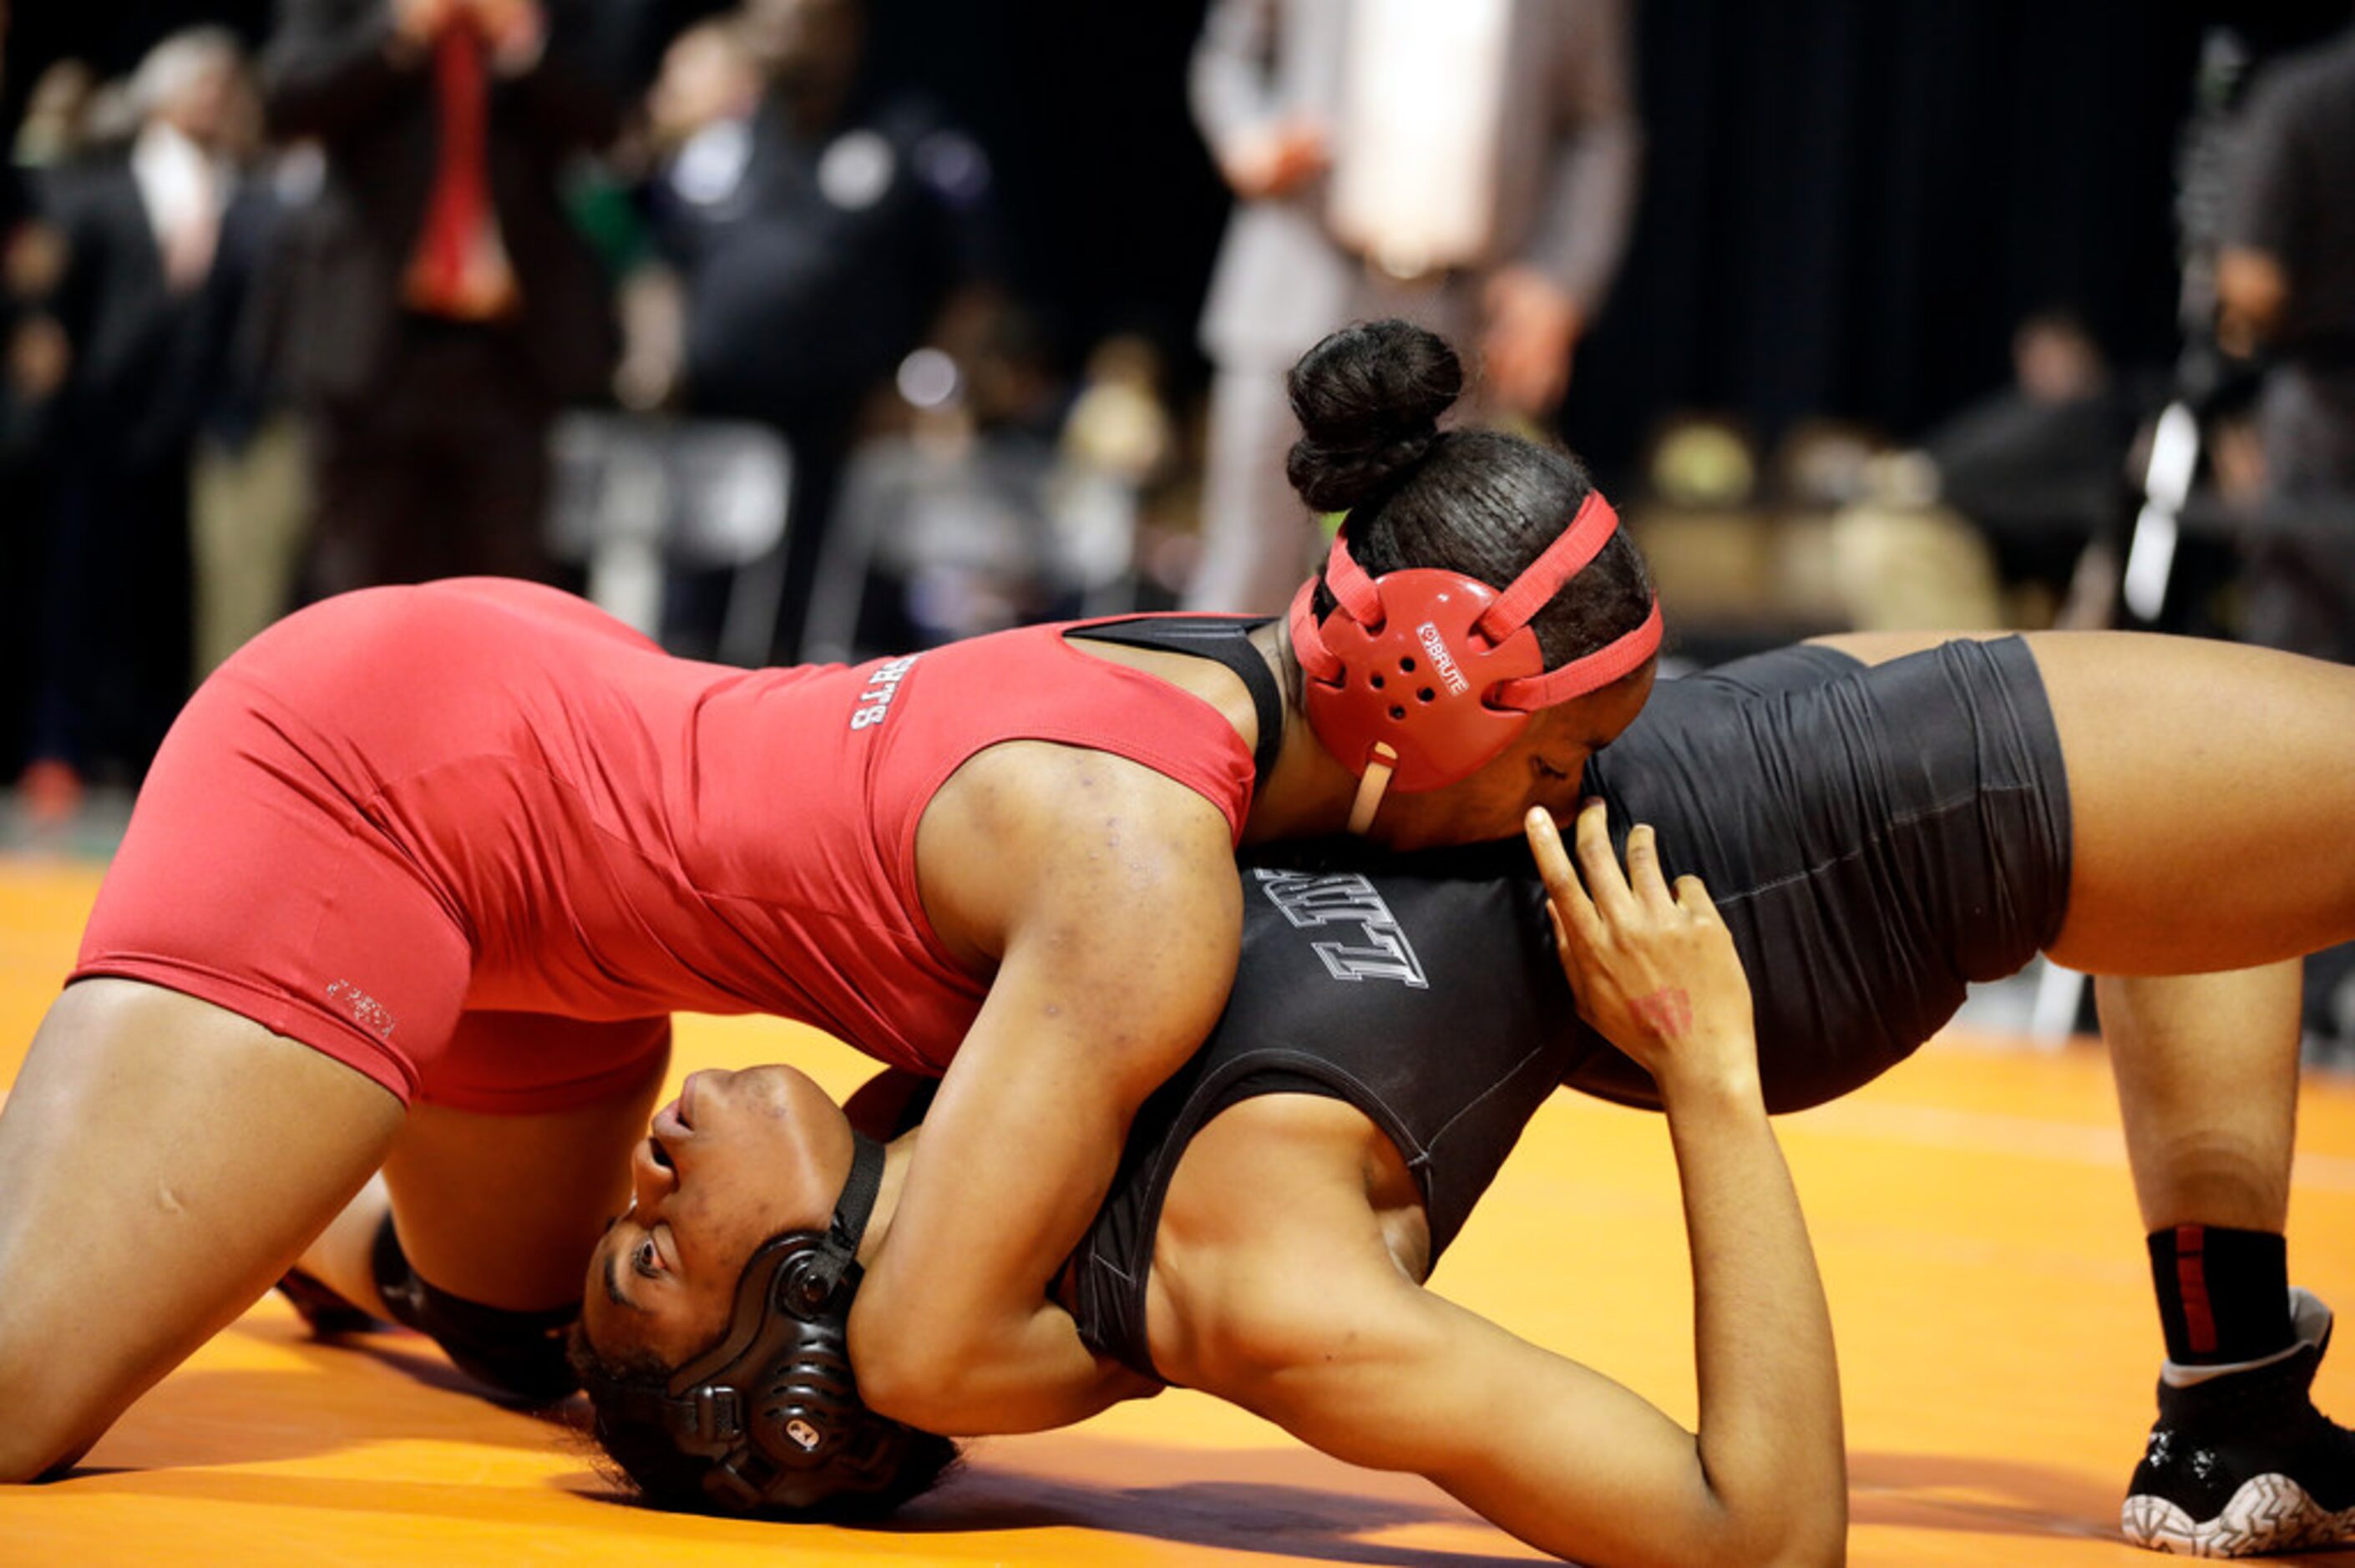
[{"x": 1369, "y": 399}]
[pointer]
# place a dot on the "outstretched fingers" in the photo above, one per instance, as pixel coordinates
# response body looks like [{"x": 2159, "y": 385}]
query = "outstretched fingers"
[
  {"x": 1692, "y": 898},
  {"x": 1644, "y": 878},
  {"x": 1614, "y": 900},
  {"x": 1567, "y": 906}
]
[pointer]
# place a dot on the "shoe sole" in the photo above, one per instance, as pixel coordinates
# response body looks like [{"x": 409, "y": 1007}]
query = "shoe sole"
[{"x": 2269, "y": 1513}]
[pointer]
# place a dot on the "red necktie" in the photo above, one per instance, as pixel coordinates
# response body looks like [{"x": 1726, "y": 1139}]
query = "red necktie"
[{"x": 459, "y": 207}]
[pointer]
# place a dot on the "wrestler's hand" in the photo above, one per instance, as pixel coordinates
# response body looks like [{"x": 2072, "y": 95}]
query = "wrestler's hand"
[{"x": 1653, "y": 971}]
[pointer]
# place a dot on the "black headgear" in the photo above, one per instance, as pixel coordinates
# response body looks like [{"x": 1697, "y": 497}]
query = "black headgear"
[{"x": 775, "y": 1405}]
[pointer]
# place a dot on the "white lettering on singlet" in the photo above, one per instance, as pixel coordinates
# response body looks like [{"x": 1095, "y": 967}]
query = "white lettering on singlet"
[
  {"x": 875, "y": 702},
  {"x": 1311, "y": 902}
]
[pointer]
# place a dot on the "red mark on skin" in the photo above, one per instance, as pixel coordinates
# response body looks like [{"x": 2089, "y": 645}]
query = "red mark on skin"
[{"x": 1669, "y": 1013}]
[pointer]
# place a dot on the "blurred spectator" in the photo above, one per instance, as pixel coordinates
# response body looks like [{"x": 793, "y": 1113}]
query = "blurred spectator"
[
  {"x": 981, "y": 516},
  {"x": 1470, "y": 166},
  {"x": 1904, "y": 563},
  {"x": 818, "y": 230},
  {"x": 111, "y": 118},
  {"x": 249, "y": 496},
  {"x": 135, "y": 306},
  {"x": 1851, "y": 538},
  {"x": 440, "y": 304},
  {"x": 1119, "y": 425},
  {"x": 56, "y": 116},
  {"x": 951, "y": 515},
  {"x": 1711, "y": 546},
  {"x": 2286, "y": 286},
  {"x": 34, "y": 357},
  {"x": 2037, "y": 466}
]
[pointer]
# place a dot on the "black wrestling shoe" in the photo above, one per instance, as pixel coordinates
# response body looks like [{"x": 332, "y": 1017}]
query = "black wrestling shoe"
[
  {"x": 2240, "y": 1462},
  {"x": 327, "y": 1314}
]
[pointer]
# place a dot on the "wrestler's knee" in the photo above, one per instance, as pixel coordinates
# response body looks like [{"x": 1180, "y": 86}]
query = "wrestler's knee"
[
  {"x": 520, "y": 1354},
  {"x": 46, "y": 1425}
]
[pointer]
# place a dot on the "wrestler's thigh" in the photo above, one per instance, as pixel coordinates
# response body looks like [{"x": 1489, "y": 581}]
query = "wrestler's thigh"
[
  {"x": 2212, "y": 793},
  {"x": 503, "y": 1207},
  {"x": 162, "y": 1160}
]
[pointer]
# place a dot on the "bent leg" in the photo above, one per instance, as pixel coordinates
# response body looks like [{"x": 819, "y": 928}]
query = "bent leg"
[
  {"x": 505, "y": 1210},
  {"x": 2212, "y": 789},
  {"x": 504, "y": 1207},
  {"x": 2207, "y": 1076},
  {"x": 163, "y": 1160},
  {"x": 494, "y": 1214}
]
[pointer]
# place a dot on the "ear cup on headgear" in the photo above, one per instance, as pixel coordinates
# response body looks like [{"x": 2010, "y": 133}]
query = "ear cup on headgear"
[
  {"x": 810, "y": 1423},
  {"x": 808, "y": 1410},
  {"x": 775, "y": 1405},
  {"x": 806, "y": 1435},
  {"x": 1418, "y": 680},
  {"x": 1430, "y": 674},
  {"x": 807, "y": 1281}
]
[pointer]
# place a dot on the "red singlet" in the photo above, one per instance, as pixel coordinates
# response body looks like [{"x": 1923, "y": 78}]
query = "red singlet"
[{"x": 479, "y": 840}]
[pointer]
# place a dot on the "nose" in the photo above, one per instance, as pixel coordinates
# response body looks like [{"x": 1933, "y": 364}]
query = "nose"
[{"x": 650, "y": 1180}]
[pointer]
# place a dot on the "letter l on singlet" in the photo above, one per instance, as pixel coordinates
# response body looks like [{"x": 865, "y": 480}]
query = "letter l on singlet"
[{"x": 1310, "y": 901}]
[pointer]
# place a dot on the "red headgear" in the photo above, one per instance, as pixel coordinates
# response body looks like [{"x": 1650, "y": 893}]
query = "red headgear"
[{"x": 1430, "y": 674}]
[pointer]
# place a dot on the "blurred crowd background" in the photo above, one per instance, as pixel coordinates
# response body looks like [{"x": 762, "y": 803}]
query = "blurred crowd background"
[{"x": 802, "y": 329}]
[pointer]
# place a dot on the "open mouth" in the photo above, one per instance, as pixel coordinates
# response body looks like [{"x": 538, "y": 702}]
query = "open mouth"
[{"x": 662, "y": 1155}]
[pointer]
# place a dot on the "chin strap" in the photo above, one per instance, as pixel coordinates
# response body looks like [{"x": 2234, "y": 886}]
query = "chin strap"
[
  {"x": 837, "y": 1252},
  {"x": 1371, "y": 786}
]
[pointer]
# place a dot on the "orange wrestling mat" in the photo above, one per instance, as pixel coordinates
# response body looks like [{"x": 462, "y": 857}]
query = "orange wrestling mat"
[{"x": 1972, "y": 1212}]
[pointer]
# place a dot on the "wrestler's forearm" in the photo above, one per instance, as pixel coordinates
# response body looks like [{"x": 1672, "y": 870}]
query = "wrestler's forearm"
[
  {"x": 1770, "y": 1436},
  {"x": 1042, "y": 1378}
]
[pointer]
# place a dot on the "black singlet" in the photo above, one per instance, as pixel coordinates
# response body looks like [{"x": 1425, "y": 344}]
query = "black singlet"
[
  {"x": 1222, "y": 640},
  {"x": 1874, "y": 839}
]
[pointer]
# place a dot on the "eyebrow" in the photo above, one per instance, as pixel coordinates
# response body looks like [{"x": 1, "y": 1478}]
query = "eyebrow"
[{"x": 613, "y": 1283}]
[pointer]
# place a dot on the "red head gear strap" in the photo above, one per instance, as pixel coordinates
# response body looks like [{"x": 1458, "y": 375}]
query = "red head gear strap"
[{"x": 1441, "y": 668}]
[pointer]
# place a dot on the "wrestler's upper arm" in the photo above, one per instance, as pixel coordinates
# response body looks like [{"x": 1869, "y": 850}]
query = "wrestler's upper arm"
[
  {"x": 1272, "y": 1286},
  {"x": 1111, "y": 896}
]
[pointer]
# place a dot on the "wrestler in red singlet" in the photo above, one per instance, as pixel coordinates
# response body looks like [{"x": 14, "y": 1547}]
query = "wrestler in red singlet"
[{"x": 478, "y": 840}]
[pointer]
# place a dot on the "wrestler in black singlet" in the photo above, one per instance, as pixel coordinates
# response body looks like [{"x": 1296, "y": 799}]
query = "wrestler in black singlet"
[{"x": 1874, "y": 838}]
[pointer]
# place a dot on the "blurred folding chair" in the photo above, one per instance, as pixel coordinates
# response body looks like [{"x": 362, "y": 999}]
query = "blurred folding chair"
[
  {"x": 1003, "y": 512},
  {"x": 634, "y": 496}
]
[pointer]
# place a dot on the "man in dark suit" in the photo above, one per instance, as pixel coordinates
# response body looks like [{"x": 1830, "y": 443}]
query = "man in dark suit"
[
  {"x": 1470, "y": 166},
  {"x": 138, "y": 238},
  {"x": 440, "y": 306},
  {"x": 2286, "y": 286},
  {"x": 820, "y": 224}
]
